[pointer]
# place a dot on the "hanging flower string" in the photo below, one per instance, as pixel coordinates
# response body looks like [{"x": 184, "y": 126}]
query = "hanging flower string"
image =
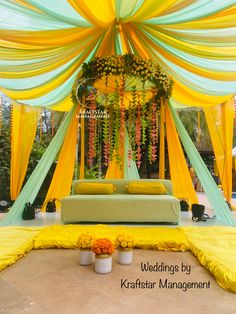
[
  {"x": 153, "y": 135},
  {"x": 137, "y": 116},
  {"x": 131, "y": 121},
  {"x": 157, "y": 124},
  {"x": 92, "y": 131},
  {"x": 199, "y": 128},
  {"x": 122, "y": 115},
  {"x": 132, "y": 117},
  {"x": 138, "y": 133},
  {"x": 111, "y": 115},
  {"x": 144, "y": 121},
  {"x": 117, "y": 125},
  {"x": 106, "y": 135}
]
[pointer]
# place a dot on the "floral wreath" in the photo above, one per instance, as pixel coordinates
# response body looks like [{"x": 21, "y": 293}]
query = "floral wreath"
[
  {"x": 144, "y": 84},
  {"x": 122, "y": 65}
]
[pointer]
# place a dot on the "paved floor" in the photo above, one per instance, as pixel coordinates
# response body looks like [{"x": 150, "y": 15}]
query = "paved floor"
[{"x": 51, "y": 281}]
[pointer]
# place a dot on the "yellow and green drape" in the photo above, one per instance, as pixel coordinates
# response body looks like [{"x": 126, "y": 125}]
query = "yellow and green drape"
[{"x": 44, "y": 44}]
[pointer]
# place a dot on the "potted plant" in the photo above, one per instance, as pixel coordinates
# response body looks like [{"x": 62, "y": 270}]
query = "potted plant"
[
  {"x": 85, "y": 243},
  {"x": 103, "y": 249},
  {"x": 125, "y": 244}
]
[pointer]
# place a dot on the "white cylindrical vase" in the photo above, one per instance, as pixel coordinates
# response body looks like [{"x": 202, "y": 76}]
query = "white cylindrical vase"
[
  {"x": 125, "y": 256},
  {"x": 103, "y": 264},
  {"x": 86, "y": 257}
]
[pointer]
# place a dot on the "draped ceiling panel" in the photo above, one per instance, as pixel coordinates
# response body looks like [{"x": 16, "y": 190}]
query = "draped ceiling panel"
[{"x": 44, "y": 43}]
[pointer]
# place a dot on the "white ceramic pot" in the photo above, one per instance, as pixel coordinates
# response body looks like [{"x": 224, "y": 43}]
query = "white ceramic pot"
[
  {"x": 103, "y": 264},
  {"x": 86, "y": 257},
  {"x": 125, "y": 256}
]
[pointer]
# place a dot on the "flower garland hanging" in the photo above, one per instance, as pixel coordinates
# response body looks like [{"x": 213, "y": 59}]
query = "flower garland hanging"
[
  {"x": 108, "y": 78},
  {"x": 138, "y": 133},
  {"x": 129, "y": 65},
  {"x": 92, "y": 132}
]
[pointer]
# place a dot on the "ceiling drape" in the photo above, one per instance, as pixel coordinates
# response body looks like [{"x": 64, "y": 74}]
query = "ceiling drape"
[{"x": 44, "y": 43}]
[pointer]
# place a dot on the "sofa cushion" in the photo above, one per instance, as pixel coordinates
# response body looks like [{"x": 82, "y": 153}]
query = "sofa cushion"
[
  {"x": 152, "y": 188},
  {"x": 120, "y": 208},
  {"x": 95, "y": 188}
]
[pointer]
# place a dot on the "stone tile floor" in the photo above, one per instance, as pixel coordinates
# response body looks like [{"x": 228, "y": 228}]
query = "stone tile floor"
[{"x": 51, "y": 281}]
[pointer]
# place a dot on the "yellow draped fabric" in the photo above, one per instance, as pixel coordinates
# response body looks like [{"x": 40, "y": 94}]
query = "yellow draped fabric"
[
  {"x": 114, "y": 171},
  {"x": 162, "y": 143},
  {"x": 24, "y": 124},
  {"x": 43, "y": 45},
  {"x": 62, "y": 178},
  {"x": 180, "y": 176},
  {"x": 227, "y": 125},
  {"x": 220, "y": 123}
]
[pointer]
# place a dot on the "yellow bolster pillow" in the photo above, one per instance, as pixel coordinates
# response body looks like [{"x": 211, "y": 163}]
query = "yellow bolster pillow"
[
  {"x": 95, "y": 188},
  {"x": 154, "y": 188}
]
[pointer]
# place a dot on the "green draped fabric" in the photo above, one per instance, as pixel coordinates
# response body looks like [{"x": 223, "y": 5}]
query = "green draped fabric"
[
  {"x": 45, "y": 42},
  {"x": 215, "y": 198},
  {"x": 130, "y": 168}
]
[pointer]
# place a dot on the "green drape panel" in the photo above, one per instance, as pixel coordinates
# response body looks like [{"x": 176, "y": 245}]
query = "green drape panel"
[
  {"x": 130, "y": 168},
  {"x": 44, "y": 45},
  {"x": 36, "y": 179},
  {"x": 215, "y": 198},
  {"x": 62, "y": 178}
]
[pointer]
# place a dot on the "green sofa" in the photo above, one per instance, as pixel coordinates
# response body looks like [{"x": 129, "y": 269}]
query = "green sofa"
[{"x": 121, "y": 206}]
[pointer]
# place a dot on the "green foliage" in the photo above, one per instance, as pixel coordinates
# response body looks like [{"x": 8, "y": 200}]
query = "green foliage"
[
  {"x": 120, "y": 70},
  {"x": 90, "y": 173},
  {"x": 5, "y": 157},
  {"x": 37, "y": 152},
  {"x": 189, "y": 118},
  {"x": 129, "y": 65}
]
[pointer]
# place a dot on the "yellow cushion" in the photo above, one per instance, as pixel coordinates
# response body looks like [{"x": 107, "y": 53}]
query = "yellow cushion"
[
  {"x": 155, "y": 188},
  {"x": 95, "y": 188}
]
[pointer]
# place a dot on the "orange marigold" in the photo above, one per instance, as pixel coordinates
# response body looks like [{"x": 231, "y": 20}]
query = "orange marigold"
[{"x": 103, "y": 246}]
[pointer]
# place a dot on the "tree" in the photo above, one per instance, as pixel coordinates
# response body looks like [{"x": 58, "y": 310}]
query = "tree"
[
  {"x": 5, "y": 163},
  {"x": 38, "y": 149},
  {"x": 189, "y": 118}
]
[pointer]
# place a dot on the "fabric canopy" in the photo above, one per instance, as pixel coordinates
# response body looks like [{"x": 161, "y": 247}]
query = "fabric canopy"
[{"x": 44, "y": 43}]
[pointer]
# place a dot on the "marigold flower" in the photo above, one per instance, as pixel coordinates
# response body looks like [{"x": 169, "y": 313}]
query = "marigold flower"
[
  {"x": 124, "y": 241},
  {"x": 85, "y": 240},
  {"x": 103, "y": 246}
]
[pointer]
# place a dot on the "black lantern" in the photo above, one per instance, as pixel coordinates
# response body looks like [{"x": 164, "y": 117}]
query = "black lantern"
[{"x": 51, "y": 206}]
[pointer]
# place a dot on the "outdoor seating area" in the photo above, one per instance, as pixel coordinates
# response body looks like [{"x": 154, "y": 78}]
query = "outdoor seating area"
[
  {"x": 117, "y": 141},
  {"x": 121, "y": 206}
]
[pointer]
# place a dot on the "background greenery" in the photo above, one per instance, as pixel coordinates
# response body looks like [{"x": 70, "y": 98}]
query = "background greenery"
[{"x": 188, "y": 117}]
